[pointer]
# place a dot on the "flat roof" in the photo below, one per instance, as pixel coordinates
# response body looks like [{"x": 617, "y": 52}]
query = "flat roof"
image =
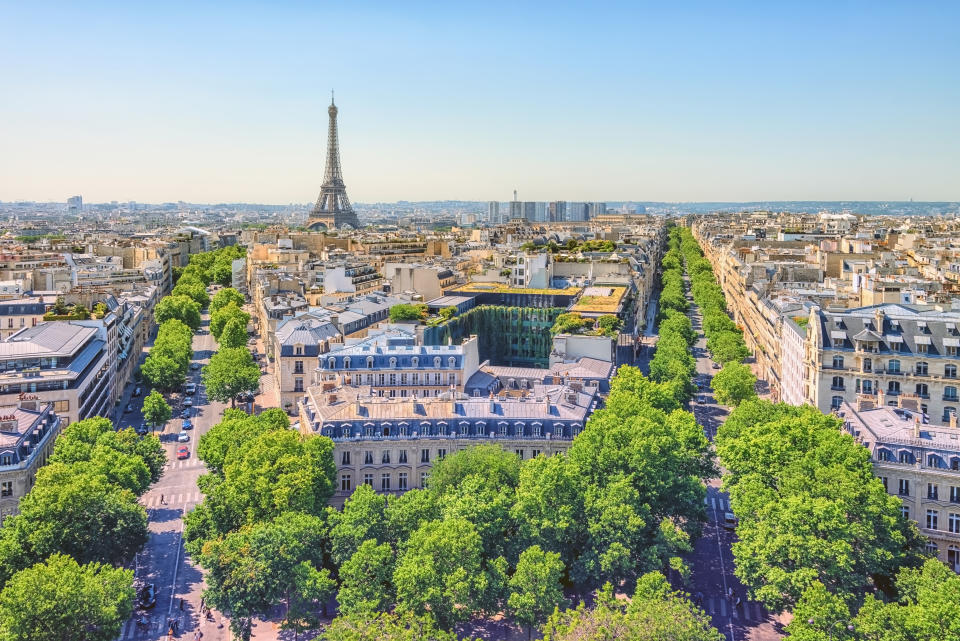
[{"x": 500, "y": 288}]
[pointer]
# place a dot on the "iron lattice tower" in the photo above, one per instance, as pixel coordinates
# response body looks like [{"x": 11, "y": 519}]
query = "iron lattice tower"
[{"x": 333, "y": 208}]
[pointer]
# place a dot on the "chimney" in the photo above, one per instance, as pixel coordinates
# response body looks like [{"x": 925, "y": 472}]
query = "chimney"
[
  {"x": 953, "y": 419},
  {"x": 880, "y": 399},
  {"x": 916, "y": 427}
]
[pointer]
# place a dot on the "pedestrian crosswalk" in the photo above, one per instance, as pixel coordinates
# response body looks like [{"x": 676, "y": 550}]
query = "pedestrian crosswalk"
[
  {"x": 172, "y": 500},
  {"x": 715, "y": 503},
  {"x": 184, "y": 464},
  {"x": 746, "y": 611}
]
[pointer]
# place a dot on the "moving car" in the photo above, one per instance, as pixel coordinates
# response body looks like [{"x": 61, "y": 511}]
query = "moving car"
[
  {"x": 185, "y": 413},
  {"x": 128, "y": 408},
  {"x": 729, "y": 520},
  {"x": 716, "y": 366},
  {"x": 142, "y": 429},
  {"x": 183, "y": 437},
  {"x": 194, "y": 366},
  {"x": 136, "y": 391},
  {"x": 188, "y": 402},
  {"x": 183, "y": 452},
  {"x": 187, "y": 425},
  {"x": 148, "y": 596},
  {"x": 190, "y": 389}
]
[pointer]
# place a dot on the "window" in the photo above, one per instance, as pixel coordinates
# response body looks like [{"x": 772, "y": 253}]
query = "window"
[
  {"x": 61, "y": 406},
  {"x": 6, "y": 488},
  {"x": 883, "y": 479},
  {"x": 298, "y": 367},
  {"x": 904, "y": 489},
  {"x": 922, "y": 390},
  {"x": 436, "y": 362},
  {"x": 332, "y": 363},
  {"x": 893, "y": 366},
  {"x": 402, "y": 481},
  {"x": 867, "y": 387},
  {"x": 867, "y": 365},
  {"x": 6, "y": 459},
  {"x": 906, "y": 457},
  {"x": 932, "y": 518},
  {"x": 393, "y": 362},
  {"x": 905, "y": 511},
  {"x": 932, "y": 491},
  {"x": 424, "y": 456},
  {"x": 346, "y": 362},
  {"x": 534, "y": 453},
  {"x": 402, "y": 457},
  {"x": 837, "y": 382},
  {"x": 385, "y": 457},
  {"x": 393, "y": 379},
  {"x": 520, "y": 454},
  {"x": 954, "y": 494},
  {"x": 452, "y": 379},
  {"x": 948, "y": 411},
  {"x": 836, "y": 402},
  {"x": 423, "y": 479},
  {"x": 23, "y": 321},
  {"x": 368, "y": 479},
  {"x": 344, "y": 482},
  {"x": 345, "y": 458},
  {"x": 838, "y": 362},
  {"x": 949, "y": 393},
  {"x": 368, "y": 458},
  {"x": 953, "y": 523},
  {"x": 298, "y": 384},
  {"x": 414, "y": 362},
  {"x": 932, "y": 549},
  {"x": 451, "y": 362},
  {"x": 921, "y": 348},
  {"x": 436, "y": 378},
  {"x": 922, "y": 368},
  {"x": 403, "y": 379},
  {"x": 893, "y": 387},
  {"x": 895, "y": 347},
  {"x": 298, "y": 350},
  {"x": 384, "y": 482},
  {"x": 949, "y": 371},
  {"x": 369, "y": 362},
  {"x": 10, "y": 323}
]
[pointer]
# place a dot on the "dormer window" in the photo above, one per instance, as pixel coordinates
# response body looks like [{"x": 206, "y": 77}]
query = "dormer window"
[
  {"x": 414, "y": 361},
  {"x": 369, "y": 362},
  {"x": 393, "y": 362},
  {"x": 332, "y": 363},
  {"x": 346, "y": 362},
  {"x": 452, "y": 362},
  {"x": 298, "y": 350},
  {"x": 436, "y": 362}
]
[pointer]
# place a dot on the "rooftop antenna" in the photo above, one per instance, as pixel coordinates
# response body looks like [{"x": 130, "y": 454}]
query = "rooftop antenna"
[
  {"x": 514, "y": 195},
  {"x": 331, "y": 97}
]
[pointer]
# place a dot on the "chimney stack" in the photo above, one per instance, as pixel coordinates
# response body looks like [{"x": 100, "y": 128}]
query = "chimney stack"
[
  {"x": 880, "y": 399},
  {"x": 916, "y": 427},
  {"x": 953, "y": 420}
]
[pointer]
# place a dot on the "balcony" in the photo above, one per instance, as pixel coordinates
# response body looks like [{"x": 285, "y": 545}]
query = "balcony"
[
  {"x": 838, "y": 388},
  {"x": 952, "y": 399}
]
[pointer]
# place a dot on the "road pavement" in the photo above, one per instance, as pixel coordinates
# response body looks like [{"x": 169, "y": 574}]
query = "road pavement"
[
  {"x": 163, "y": 562},
  {"x": 712, "y": 579}
]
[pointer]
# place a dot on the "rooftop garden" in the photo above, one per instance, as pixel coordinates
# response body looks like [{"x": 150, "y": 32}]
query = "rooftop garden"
[
  {"x": 500, "y": 288},
  {"x": 594, "y": 303},
  {"x": 573, "y": 323},
  {"x": 571, "y": 245}
]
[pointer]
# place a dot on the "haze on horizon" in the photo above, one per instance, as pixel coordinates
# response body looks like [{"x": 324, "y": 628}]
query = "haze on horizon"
[{"x": 637, "y": 101}]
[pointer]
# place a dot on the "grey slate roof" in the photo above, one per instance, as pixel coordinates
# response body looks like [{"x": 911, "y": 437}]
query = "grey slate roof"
[
  {"x": 305, "y": 331},
  {"x": 57, "y": 338}
]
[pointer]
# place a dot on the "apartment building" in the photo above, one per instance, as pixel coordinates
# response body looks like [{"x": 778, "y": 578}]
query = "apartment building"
[
  {"x": 890, "y": 349},
  {"x": 299, "y": 343},
  {"x": 19, "y": 313},
  {"x": 919, "y": 463},
  {"x": 27, "y": 434},
  {"x": 70, "y": 364},
  {"x": 392, "y": 365},
  {"x": 390, "y": 443}
]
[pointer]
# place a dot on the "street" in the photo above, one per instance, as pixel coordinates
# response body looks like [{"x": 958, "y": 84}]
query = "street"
[
  {"x": 162, "y": 562},
  {"x": 712, "y": 563}
]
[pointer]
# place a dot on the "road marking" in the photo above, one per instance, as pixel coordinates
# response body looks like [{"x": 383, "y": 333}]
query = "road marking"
[
  {"x": 723, "y": 607},
  {"x": 713, "y": 502}
]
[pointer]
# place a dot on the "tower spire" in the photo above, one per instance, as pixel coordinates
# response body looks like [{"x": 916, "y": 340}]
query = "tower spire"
[{"x": 333, "y": 208}]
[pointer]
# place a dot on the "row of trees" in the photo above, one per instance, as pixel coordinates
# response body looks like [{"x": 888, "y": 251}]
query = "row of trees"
[
  {"x": 812, "y": 516},
  {"x": 672, "y": 364},
  {"x": 231, "y": 370},
  {"x": 59, "y": 555},
  {"x": 734, "y": 383},
  {"x": 489, "y": 534},
  {"x": 169, "y": 360}
]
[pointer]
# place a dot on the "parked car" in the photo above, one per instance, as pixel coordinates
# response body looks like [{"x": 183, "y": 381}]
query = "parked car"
[
  {"x": 148, "y": 596},
  {"x": 187, "y": 425},
  {"x": 185, "y": 413},
  {"x": 183, "y": 452},
  {"x": 136, "y": 391},
  {"x": 194, "y": 366},
  {"x": 188, "y": 402},
  {"x": 716, "y": 366},
  {"x": 190, "y": 389},
  {"x": 183, "y": 437},
  {"x": 128, "y": 408},
  {"x": 729, "y": 521},
  {"x": 142, "y": 429}
]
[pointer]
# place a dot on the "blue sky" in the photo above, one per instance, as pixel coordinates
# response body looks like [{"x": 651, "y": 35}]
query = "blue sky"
[{"x": 213, "y": 102}]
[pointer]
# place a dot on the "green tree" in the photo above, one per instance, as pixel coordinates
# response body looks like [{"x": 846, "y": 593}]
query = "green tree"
[
  {"x": 234, "y": 334},
  {"x": 231, "y": 371},
  {"x": 407, "y": 512},
  {"x": 192, "y": 289},
  {"x": 60, "y": 307},
  {"x": 81, "y": 312},
  {"x": 647, "y": 617},
  {"x": 362, "y": 518},
  {"x": 494, "y": 465},
  {"x": 182, "y": 308},
  {"x": 734, "y": 384},
  {"x": 404, "y": 312},
  {"x": 219, "y": 319},
  {"x": 275, "y": 472},
  {"x": 535, "y": 589},
  {"x": 385, "y": 626},
  {"x": 234, "y": 432},
  {"x": 441, "y": 574},
  {"x": 156, "y": 411},
  {"x": 95, "y": 440},
  {"x": 274, "y": 563},
  {"x": 366, "y": 579},
  {"x": 448, "y": 312},
  {"x": 83, "y": 515},
  {"x": 224, "y": 297},
  {"x": 727, "y": 347},
  {"x": 163, "y": 372},
  {"x": 60, "y": 600},
  {"x": 100, "y": 310}
]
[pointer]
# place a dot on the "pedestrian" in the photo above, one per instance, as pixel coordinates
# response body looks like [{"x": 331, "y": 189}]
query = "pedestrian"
[
  {"x": 730, "y": 593},
  {"x": 203, "y": 600},
  {"x": 161, "y": 499},
  {"x": 181, "y": 604},
  {"x": 739, "y": 602}
]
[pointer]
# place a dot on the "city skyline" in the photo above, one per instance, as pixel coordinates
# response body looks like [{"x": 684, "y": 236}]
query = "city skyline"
[{"x": 627, "y": 103}]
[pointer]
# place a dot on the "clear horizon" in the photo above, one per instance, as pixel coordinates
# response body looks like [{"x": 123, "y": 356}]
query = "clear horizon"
[{"x": 741, "y": 103}]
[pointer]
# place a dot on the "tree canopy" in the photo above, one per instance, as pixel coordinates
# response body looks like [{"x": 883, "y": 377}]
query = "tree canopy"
[
  {"x": 231, "y": 371},
  {"x": 182, "y": 308}
]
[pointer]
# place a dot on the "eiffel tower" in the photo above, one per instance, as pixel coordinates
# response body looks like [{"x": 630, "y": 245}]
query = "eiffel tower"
[{"x": 333, "y": 207}]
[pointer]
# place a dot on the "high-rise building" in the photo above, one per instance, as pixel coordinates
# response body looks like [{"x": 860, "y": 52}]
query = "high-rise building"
[
  {"x": 577, "y": 212},
  {"x": 493, "y": 212},
  {"x": 530, "y": 210},
  {"x": 541, "y": 213},
  {"x": 75, "y": 204},
  {"x": 558, "y": 211},
  {"x": 597, "y": 209}
]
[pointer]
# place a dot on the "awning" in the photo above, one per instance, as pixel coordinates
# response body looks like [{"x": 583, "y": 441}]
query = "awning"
[
  {"x": 921, "y": 340},
  {"x": 951, "y": 342},
  {"x": 838, "y": 336},
  {"x": 894, "y": 339}
]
